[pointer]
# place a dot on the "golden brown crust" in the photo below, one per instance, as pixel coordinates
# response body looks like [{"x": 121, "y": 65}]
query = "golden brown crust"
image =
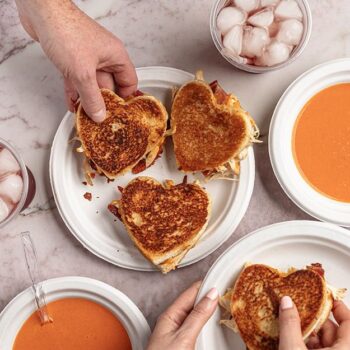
[
  {"x": 162, "y": 212},
  {"x": 130, "y": 131},
  {"x": 207, "y": 132},
  {"x": 256, "y": 297},
  {"x": 164, "y": 222}
]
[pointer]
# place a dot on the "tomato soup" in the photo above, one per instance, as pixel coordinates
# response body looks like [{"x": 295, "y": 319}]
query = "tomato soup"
[
  {"x": 321, "y": 142},
  {"x": 77, "y": 324}
]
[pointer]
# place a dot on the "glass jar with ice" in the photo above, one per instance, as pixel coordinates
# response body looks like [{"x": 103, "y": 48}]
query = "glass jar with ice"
[
  {"x": 260, "y": 35},
  {"x": 14, "y": 182}
]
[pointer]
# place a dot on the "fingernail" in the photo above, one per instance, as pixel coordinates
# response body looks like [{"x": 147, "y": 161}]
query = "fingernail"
[
  {"x": 286, "y": 303},
  {"x": 99, "y": 116},
  {"x": 213, "y": 294}
]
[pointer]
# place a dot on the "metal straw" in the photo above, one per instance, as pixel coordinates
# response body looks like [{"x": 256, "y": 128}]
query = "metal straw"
[{"x": 33, "y": 271}]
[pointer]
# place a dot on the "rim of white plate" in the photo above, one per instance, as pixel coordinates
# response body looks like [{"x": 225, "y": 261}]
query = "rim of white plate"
[
  {"x": 280, "y": 142},
  {"x": 234, "y": 210}
]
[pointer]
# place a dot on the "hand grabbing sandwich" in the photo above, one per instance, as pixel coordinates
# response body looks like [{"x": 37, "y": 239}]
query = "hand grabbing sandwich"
[
  {"x": 179, "y": 326},
  {"x": 331, "y": 337},
  {"x": 88, "y": 56}
]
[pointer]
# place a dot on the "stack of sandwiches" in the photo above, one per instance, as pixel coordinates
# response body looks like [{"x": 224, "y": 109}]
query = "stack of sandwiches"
[{"x": 211, "y": 133}]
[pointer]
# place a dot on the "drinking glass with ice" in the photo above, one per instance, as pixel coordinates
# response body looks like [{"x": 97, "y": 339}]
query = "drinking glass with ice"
[
  {"x": 262, "y": 34},
  {"x": 13, "y": 183}
]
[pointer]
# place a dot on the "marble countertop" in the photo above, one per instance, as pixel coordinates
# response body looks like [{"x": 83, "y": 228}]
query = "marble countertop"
[{"x": 32, "y": 106}]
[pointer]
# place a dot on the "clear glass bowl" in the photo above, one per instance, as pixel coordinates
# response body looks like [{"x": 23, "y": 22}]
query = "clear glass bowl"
[
  {"x": 25, "y": 176},
  {"x": 216, "y": 35}
]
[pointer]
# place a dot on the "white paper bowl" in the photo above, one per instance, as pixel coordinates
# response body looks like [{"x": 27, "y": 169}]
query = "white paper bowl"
[
  {"x": 280, "y": 141},
  {"x": 23, "y": 305}
]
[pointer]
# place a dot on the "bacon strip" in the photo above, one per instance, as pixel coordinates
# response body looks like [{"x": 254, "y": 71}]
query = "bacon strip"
[
  {"x": 219, "y": 93},
  {"x": 141, "y": 165},
  {"x": 114, "y": 210},
  {"x": 317, "y": 268}
]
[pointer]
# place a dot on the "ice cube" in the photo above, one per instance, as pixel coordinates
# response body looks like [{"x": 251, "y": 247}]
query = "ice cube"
[
  {"x": 288, "y": 9},
  {"x": 234, "y": 57},
  {"x": 247, "y": 5},
  {"x": 290, "y": 32},
  {"x": 262, "y": 18},
  {"x": 276, "y": 52},
  {"x": 8, "y": 163},
  {"x": 233, "y": 40},
  {"x": 11, "y": 188},
  {"x": 229, "y": 17},
  {"x": 254, "y": 40},
  {"x": 265, "y": 3},
  {"x": 4, "y": 210}
]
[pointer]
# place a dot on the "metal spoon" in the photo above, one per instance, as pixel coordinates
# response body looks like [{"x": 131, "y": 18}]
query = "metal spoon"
[{"x": 33, "y": 271}]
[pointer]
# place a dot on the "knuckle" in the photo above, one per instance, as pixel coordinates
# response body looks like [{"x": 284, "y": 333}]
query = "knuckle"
[
  {"x": 291, "y": 320},
  {"x": 185, "y": 340},
  {"x": 84, "y": 75},
  {"x": 199, "y": 312},
  {"x": 117, "y": 43},
  {"x": 69, "y": 89},
  {"x": 167, "y": 318},
  {"x": 163, "y": 317}
]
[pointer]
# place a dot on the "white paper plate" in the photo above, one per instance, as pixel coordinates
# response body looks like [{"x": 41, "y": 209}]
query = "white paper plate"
[
  {"x": 23, "y": 305},
  {"x": 282, "y": 245},
  {"x": 280, "y": 141},
  {"x": 93, "y": 225}
]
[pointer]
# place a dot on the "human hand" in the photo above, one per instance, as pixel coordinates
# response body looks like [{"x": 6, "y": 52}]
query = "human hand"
[
  {"x": 179, "y": 326},
  {"x": 330, "y": 337},
  {"x": 88, "y": 56}
]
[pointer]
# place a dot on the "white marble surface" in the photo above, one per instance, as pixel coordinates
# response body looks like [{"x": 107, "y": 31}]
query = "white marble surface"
[{"x": 157, "y": 32}]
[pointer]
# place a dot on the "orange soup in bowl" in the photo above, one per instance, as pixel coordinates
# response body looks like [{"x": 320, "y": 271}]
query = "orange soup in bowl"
[
  {"x": 77, "y": 324},
  {"x": 321, "y": 142}
]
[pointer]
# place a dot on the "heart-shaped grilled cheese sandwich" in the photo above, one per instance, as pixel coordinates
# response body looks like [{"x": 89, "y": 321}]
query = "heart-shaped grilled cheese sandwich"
[
  {"x": 253, "y": 303},
  {"x": 211, "y": 131},
  {"x": 164, "y": 222},
  {"x": 130, "y": 137}
]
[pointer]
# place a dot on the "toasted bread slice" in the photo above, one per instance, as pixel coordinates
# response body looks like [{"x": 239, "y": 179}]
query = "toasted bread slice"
[
  {"x": 253, "y": 303},
  {"x": 164, "y": 222},
  {"x": 211, "y": 131},
  {"x": 130, "y": 137}
]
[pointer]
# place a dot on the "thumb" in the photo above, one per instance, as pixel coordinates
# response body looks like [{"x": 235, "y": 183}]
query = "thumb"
[
  {"x": 199, "y": 316},
  {"x": 90, "y": 96},
  {"x": 289, "y": 325}
]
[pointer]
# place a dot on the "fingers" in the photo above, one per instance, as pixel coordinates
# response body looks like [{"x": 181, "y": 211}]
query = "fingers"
[
  {"x": 90, "y": 95},
  {"x": 289, "y": 325},
  {"x": 124, "y": 74},
  {"x": 105, "y": 80},
  {"x": 70, "y": 93},
  {"x": 126, "y": 81},
  {"x": 342, "y": 315},
  {"x": 199, "y": 316},
  {"x": 340, "y": 312},
  {"x": 325, "y": 338},
  {"x": 314, "y": 342},
  {"x": 328, "y": 333},
  {"x": 174, "y": 316}
]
